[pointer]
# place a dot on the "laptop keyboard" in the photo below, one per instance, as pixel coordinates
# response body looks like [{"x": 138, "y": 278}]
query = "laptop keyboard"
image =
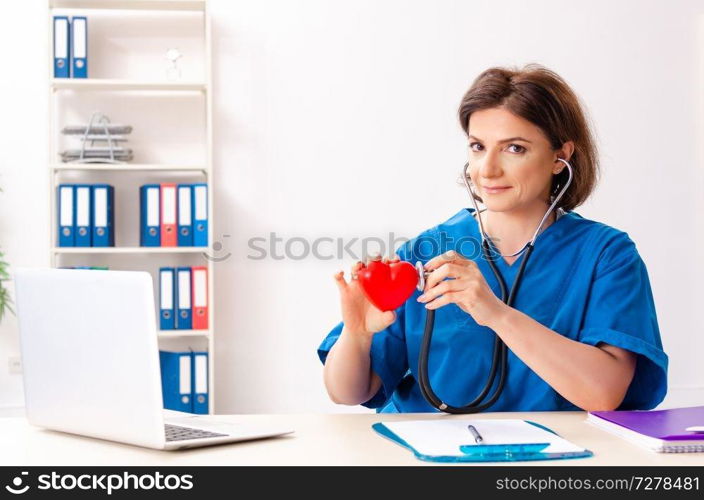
[{"x": 178, "y": 433}]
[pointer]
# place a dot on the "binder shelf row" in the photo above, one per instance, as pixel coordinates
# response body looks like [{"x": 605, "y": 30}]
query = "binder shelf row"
[
  {"x": 171, "y": 215},
  {"x": 184, "y": 381},
  {"x": 70, "y": 47},
  {"x": 86, "y": 215},
  {"x": 183, "y": 298},
  {"x": 166, "y": 208}
]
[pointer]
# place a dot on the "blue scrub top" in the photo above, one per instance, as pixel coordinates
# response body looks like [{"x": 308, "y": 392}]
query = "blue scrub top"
[{"x": 584, "y": 280}]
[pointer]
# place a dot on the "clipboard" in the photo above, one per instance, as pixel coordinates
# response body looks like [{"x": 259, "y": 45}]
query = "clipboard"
[{"x": 534, "y": 441}]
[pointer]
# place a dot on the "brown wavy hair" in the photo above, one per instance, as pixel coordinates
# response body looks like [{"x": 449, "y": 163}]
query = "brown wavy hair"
[{"x": 543, "y": 98}]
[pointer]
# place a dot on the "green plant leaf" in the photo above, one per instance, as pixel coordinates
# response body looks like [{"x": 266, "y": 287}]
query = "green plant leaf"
[{"x": 5, "y": 300}]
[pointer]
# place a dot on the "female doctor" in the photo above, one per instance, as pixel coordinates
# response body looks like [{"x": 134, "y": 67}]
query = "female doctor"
[{"x": 582, "y": 332}]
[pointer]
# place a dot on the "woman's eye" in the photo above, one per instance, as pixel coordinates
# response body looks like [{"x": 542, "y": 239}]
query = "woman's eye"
[
  {"x": 475, "y": 146},
  {"x": 516, "y": 148}
]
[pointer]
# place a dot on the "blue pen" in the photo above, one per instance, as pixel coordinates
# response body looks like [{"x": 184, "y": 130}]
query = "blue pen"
[{"x": 493, "y": 450}]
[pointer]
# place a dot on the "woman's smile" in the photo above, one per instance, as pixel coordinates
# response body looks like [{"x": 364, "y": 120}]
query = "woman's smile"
[{"x": 495, "y": 189}]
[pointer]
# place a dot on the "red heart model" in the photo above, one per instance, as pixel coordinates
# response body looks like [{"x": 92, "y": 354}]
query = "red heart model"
[{"x": 387, "y": 286}]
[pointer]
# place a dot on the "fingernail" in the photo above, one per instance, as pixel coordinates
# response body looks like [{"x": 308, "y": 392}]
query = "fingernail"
[
  {"x": 429, "y": 306},
  {"x": 421, "y": 298}
]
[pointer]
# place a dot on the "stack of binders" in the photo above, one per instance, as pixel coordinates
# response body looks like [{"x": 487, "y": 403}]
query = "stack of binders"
[
  {"x": 673, "y": 430},
  {"x": 184, "y": 381},
  {"x": 183, "y": 298},
  {"x": 174, "y": 215},
  {"x": 86, "y": 215},
  {"x": 70, "y": 47}
]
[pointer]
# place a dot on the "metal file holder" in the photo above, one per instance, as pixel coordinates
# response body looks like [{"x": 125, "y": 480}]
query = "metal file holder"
[{"x": 99, "y": 129}]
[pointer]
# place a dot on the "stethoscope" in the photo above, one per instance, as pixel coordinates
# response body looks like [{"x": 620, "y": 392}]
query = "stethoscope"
[{"x": 500, "y": 353}]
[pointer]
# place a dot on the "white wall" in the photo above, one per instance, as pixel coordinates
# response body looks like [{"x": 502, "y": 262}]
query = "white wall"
[
  {"x": 339, "y": 120},
  {"x": 23, "y": 162}
]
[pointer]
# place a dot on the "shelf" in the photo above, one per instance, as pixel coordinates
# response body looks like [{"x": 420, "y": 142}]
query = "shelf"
[
  {"x": 126, "y": 250},
  {"x": 173, "y": 334},
  {"x": 185, "y": 5},
  {"x": 134, "y": 87},
  {"x": 105, "y": 84},
  {"x": 130, "y": 167}
]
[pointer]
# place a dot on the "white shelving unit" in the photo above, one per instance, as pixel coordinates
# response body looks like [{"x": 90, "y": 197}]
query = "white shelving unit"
[
  {"x": 171, "y": 138},
  {"x": 126, "y": 250},
  {"x": 126, "y": 167},
  {"x": 105, "y": 84}
]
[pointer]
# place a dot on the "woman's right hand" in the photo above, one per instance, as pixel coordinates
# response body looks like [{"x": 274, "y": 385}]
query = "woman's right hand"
[{"x": 359, "y": 315}]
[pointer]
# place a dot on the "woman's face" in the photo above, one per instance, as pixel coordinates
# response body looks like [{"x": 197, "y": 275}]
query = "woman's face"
[{"x": 511, "y": 162}]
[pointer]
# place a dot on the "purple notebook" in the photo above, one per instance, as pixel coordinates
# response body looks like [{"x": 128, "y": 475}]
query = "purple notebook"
[{"x": 668, "y": 425}]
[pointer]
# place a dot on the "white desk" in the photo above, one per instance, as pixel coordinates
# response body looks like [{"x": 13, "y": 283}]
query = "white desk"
[{"x": 320, "y": 439}]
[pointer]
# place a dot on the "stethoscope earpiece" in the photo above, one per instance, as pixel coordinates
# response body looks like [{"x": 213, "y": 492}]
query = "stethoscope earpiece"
[{"x": 468, "y": 185}]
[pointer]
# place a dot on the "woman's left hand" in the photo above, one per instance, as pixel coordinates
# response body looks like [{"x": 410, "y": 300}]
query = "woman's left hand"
[{"x": 469, "y": 290}]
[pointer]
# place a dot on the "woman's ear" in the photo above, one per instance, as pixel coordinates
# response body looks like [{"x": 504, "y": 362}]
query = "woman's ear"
[{"x": 565, "y": 152}]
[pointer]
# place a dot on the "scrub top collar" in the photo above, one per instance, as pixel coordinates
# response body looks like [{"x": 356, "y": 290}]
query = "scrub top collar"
[
  {"x": 554, "y": 230},
  {"x": 560, "y": 213}
]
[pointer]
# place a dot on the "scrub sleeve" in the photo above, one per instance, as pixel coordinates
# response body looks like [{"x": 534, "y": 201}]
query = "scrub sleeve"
[{"x": 621, "y": 312}]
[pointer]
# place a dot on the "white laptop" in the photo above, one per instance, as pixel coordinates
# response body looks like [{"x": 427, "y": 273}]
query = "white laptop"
[{"x": 91, "y": 361}]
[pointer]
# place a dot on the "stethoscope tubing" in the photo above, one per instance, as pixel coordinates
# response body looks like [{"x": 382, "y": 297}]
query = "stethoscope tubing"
[{"x": 499, "y": 358}]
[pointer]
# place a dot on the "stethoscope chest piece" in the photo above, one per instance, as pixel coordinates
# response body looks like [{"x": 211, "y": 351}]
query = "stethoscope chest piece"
[{"x": 422, "y": 273}]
